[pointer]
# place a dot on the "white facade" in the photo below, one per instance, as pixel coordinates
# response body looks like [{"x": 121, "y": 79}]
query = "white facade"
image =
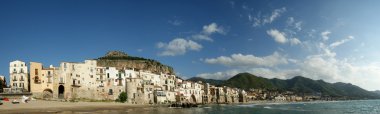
[
  {"x": 78, "y": 79},
  {"x": 19, "y": 75}
]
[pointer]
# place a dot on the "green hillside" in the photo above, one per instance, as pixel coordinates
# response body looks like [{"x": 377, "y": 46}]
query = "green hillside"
[{"x": 300, "y": 85}]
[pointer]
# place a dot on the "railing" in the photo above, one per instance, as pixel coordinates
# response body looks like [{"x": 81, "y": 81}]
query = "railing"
[
  {"x": 76, "y": 85},
  {"x": 14, "y": 90},
  {"x": 100, "y": 79},
  {"x": 49, "y": 81}
]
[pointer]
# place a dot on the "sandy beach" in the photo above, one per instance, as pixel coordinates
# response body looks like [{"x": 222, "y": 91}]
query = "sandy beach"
[{"x": 57, "y": 106}]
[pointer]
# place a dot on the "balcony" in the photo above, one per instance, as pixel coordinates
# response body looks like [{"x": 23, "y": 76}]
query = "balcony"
[
  {"x": 100, "y": 73},
  {"x": 37, "y": 80},
  {"x": 49, "y": 81},
  {"x": 100, "y": 79},
  {"x": 49, "y": 76},
  {"x": 14, "y": 79},
  {"x": 101, "y": 85},
  {"x": 76, "y": 85}
]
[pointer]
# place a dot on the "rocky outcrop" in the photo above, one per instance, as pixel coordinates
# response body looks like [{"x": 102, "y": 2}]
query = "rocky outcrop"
[{"x": 122, "y": 60}]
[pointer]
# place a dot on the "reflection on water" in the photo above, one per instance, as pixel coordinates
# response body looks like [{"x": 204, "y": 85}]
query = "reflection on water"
[{"x": 356, "y": 107}]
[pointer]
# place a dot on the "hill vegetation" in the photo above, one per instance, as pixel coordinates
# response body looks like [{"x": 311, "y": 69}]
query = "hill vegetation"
[
  {"x": 298, "y": 84},
  {"x": 120, "y": 60}
]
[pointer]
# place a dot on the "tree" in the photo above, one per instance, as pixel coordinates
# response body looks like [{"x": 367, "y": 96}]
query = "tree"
[
  {"x": 122, "y": 97},
  {"x": 3, "y": 84}
]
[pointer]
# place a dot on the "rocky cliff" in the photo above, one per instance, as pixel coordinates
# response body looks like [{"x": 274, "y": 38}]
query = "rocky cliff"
[{"x": 120, "y": 59}]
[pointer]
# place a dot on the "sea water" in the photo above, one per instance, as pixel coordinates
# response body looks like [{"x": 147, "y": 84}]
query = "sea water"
[{"x": 331, "y": 107}]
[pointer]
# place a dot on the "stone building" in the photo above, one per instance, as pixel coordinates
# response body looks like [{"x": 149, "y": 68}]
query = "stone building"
[
  {"x": 77, "y": 80},
  {"x": 42, "y": 80}
]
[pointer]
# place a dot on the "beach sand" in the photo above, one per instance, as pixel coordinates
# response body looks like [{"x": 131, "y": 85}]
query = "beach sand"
[{"x": 39, "y": 106}]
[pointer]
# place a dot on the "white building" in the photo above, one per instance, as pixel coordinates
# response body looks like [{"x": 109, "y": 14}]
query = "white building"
[
  {"x": 2, "y": 77},
  {"x": 19, "y": 75},
  {"x": 77, "y": 80}
]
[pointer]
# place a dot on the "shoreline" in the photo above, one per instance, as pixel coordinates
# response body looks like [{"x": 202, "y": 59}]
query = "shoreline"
[
  {"x": 41, "y": 106},
  {"x": 57, "y": 106}
]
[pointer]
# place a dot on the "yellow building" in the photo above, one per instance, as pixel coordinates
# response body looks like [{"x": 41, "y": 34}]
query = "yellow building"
[{"x": 41, "y": 82}]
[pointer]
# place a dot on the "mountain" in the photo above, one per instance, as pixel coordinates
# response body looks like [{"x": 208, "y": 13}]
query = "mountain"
[
  {"x": 120, "y": 60},
  {"x": 247, "y": 81},
  {"x": 376, "y": 92},
  {"x": 211, "y": 81},
  {"x": 300, "y": 85}
]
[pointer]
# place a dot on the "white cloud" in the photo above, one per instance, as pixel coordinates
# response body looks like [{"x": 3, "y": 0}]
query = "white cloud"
[
  {"x": 325, "y": 35},
  {"x": 202, "y": 37},
  {"x": 263, "y": 72},
  {"x": 335, "y": 44},
  {"x": 178, "y": 46},
  {"x": 241, "y": 60},
  {"x": 291, "y": 22},
  {"x": 277, "y": 35},
  {"x": 219, "y": 75},
  {"x": 175, "y": 22},
  {"x": 266, "y": 19},
  {"x": 232, "y": 4},
  {"x": 275, "y": 14},
  {"x": 207, "y": 31},
  {"x": 140, "y": 50},
  {"x": 213, "y": 28},
  {"x": 295, "y": 41}
]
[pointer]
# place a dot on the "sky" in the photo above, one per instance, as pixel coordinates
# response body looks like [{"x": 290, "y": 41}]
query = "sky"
[{"x": 336, "y": 41}]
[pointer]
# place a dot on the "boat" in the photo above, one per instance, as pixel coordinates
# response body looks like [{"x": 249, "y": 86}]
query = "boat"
[{"x": 15, "y": 102}]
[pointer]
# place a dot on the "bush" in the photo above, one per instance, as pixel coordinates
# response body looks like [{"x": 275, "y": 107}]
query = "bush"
[{"x": 122, "y": 97}]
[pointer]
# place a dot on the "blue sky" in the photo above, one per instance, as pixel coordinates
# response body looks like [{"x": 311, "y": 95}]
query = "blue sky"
[{"x": 329, "y": 40}]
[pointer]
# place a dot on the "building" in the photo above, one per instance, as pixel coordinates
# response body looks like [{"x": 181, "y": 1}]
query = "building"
[
  {"x": 19, "y": 76},
  {"x": 42, "y": 80},
  {"x": 88, "y": 81},
  {"x": 2, "y": 77},
  {"x": 76, "y": 80}
]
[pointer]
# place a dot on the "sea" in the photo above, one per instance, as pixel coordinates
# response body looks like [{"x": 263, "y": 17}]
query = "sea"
[{"x": 317, "y": 107}]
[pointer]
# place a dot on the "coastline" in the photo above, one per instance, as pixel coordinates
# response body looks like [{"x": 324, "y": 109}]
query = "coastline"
[
  {"x": 57, "y": 106},
  {"x": 41, "y": 106}
]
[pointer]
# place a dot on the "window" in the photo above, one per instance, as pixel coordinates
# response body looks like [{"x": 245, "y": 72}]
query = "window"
[
  {"x": 91, "y": 76},
  {"x": 78, "y": 81},
  {"x": 110, "y": 92},
  {"x": 48, "y": 73},
  {"x": 35, "y": 71},
  {"x": 108, "y": 75}
]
